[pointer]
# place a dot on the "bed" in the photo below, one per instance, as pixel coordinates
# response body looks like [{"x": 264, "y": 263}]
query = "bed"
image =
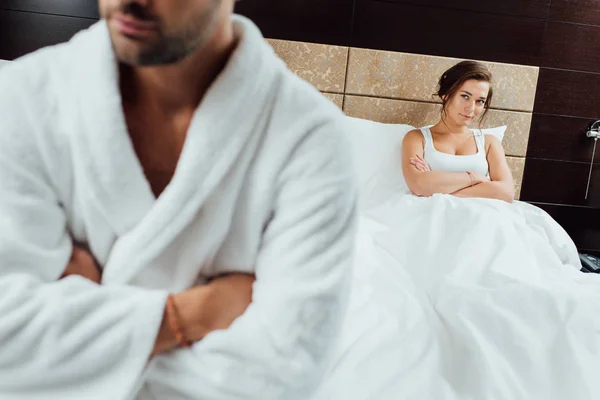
[{"x": 452, "y": 298}]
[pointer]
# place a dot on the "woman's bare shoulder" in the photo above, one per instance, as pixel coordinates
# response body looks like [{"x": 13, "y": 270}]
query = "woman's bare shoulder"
[
  {"x": 492, "y": 143},
  {"x": 414, "y": 135},
  {"x": 491, "y": 140}
]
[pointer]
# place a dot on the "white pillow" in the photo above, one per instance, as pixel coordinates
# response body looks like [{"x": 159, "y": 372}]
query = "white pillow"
[
  {"x": 497, "y": 131},
  {"x": 377, "y": 150}
]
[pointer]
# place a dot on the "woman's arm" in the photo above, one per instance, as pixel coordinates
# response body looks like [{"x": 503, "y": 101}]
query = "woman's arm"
[
  {"x": 427, "y": 183},
  {"x": 501, "y": 185}
]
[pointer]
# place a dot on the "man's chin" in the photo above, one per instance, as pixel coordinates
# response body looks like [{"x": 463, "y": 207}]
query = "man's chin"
[
  {"x": 128, "y": 58},
  {"x": 133, "y": 57},
  {"x": 128, "y": 51}
]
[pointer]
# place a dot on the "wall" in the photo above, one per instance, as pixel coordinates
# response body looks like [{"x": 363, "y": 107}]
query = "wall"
[
  {"x": 560, "y": 36},
  {"x": 27, "y": 25},
  {"x": 568, "y": 99}
]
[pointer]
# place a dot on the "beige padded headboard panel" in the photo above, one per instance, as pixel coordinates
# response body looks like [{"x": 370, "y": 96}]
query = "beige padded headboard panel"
[{"x": 392, "y": 87}]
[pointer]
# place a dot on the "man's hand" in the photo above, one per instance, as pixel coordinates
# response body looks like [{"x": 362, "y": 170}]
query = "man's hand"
[
  {"x": 82, "y": 263},
  {"x": 207, "y": 308},
  {"x": 202, "y": 309},
  {"x": 215, "y": 305}
]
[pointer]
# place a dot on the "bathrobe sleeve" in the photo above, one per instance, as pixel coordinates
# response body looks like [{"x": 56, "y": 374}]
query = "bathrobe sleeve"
[
  {"x": 59, "y": 339},
  {"x": 280, "y": 347}
]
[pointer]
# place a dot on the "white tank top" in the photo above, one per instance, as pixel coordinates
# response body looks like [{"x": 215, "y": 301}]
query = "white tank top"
[{"x": 439, "y": 161}]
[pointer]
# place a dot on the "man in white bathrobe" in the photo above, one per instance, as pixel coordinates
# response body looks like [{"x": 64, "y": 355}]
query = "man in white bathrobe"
[{"x": 158, "y": 173}]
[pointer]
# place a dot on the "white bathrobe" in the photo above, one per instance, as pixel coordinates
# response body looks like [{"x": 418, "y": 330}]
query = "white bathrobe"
[{"x": 264, "y": 185}]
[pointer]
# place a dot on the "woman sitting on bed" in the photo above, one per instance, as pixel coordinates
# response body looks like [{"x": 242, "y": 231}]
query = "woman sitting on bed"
[{"x": 450, "y": 158}]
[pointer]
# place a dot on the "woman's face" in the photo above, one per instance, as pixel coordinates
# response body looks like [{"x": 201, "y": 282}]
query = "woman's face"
[{"x": 468, "y": 102}]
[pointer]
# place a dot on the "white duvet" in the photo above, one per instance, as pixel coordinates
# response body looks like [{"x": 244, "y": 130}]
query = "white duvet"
[{"x": 467, "y": 299}]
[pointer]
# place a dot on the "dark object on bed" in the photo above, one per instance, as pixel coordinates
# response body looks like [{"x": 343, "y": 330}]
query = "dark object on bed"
[{"x": 589, "y": 263}]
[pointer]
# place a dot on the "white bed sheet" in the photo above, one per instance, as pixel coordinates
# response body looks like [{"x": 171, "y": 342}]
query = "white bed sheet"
[{"x": 466, "y": 299}]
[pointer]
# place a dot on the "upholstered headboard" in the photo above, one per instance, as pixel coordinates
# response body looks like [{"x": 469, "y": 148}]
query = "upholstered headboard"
[{"x": 393, "y": 87}]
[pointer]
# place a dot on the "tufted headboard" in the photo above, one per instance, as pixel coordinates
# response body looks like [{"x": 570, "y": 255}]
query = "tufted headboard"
[{"x": 391, "y": 87}]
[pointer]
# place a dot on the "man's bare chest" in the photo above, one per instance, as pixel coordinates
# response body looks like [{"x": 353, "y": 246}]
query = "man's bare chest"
[{"x": 158, "y": 144}]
